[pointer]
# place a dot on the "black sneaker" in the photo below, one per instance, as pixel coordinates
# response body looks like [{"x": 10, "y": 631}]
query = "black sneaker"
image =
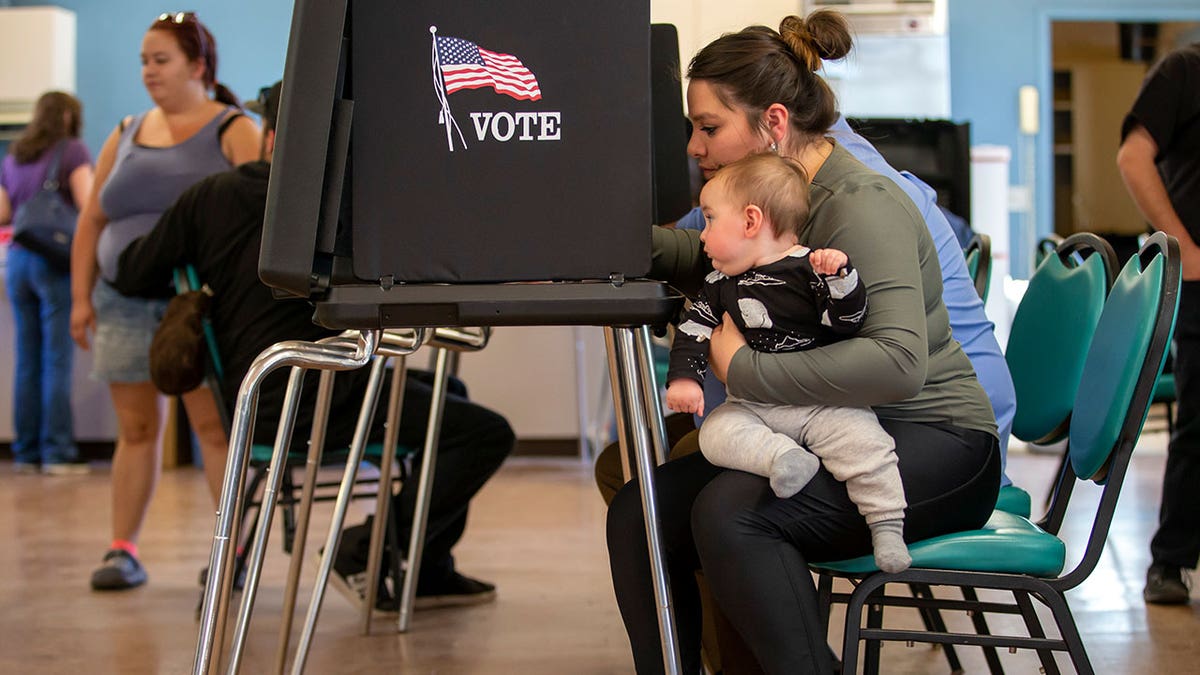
[
  {"x": 453, "y": 591},
  {"x": 1167, "y": 585},
  {"x": 349, "y": 577},
  {"x": 119, "y": 572},
  {"x": 239, "y": 582}
]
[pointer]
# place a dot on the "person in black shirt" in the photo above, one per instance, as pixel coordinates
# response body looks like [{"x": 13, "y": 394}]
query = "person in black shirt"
[
  {"x": 1159, "y": 159},
  {"x": 216, "y": 226}
]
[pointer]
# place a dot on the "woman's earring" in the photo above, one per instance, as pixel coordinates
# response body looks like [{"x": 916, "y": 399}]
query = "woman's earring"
[{"x": 774, "y": 147}]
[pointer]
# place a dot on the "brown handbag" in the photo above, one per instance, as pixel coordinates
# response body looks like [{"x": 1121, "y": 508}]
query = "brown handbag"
[{"x": 178, "y": 355}]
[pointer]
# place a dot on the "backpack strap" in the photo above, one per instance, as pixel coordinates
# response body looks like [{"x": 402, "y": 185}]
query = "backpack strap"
[{"x": 51, "y": 182}]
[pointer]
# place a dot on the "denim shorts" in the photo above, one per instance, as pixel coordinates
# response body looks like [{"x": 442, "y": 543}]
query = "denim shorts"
[{"x": 124, "y": 328}]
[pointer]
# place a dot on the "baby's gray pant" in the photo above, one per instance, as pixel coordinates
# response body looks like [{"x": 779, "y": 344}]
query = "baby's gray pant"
[{"x": 849, "y": 441}]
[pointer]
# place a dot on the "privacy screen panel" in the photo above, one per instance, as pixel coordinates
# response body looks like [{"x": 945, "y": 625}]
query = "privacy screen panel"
[{"x": 500, "y": 141}]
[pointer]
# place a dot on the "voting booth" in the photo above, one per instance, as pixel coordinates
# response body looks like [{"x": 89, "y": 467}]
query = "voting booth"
[
  {"x": 479, "y": 163},
  {"x": 477, "y": 143}
]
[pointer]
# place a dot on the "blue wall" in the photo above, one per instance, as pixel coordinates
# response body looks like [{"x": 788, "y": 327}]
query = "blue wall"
[
  {"x": 996, "y": 47},
  {"x": 251, "y": 43}
]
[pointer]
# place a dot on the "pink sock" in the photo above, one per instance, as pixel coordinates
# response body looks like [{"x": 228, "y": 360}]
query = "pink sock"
[{"x": 123, "y": 545}]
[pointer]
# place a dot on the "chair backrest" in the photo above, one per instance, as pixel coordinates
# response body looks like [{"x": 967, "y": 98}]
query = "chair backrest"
[
  {"x": 1122, "y": 368},
  {"x": 1045, "y": 247},
  {"x": 1051, "y": 332},
  {"x": 979, "y": 263}
]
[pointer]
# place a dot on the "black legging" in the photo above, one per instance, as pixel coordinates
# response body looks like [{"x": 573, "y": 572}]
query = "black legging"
[{"x": 755, "y": 547}]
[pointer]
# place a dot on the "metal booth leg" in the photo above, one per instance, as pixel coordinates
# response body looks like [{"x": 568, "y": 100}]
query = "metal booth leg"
[
  {"x": 283, "y": 439},
  {"x": 627, "y": 365},
  {"x": 383, "y": 492},
  {"x": 416, "y": 539},
  {"x": 345, "y": 492},
  {"x": 316, "y": 446},
  {"x": 291, "y": 353}
]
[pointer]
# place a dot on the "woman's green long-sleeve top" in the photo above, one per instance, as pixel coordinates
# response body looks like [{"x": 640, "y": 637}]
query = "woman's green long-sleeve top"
[{"x": 904, "y": 363}]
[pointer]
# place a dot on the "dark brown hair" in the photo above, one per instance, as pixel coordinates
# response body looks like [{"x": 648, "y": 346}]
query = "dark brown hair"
[
  {"x": 56, "y": 115},
  {"x": 777, "y": 185},
  {"x": 757, "y": 67},
  {"x": 197, "y": 43}
]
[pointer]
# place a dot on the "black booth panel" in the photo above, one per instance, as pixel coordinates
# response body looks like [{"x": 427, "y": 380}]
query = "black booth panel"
[{"x": 566, "y": 196}]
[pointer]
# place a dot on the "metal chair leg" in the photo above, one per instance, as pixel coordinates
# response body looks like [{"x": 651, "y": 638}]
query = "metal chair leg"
[
  {"x": 932, "y": 618},
  {"x": 345, "y": 492},
  {"x": 272, "y": 358},
  {"x": 416, "y": 538},
  {"x": 1034, "y": 626},
  {"x": 283, "y": 439},
  {"x": 625, "y": 368},
  {"x": 383, "y": 491},
  {"x": 316, "y": 446},
  {"x": 979, "y": 621}
]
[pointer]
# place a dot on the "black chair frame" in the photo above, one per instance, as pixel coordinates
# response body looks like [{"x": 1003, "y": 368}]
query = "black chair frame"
[{"x": 869, "y": 591}]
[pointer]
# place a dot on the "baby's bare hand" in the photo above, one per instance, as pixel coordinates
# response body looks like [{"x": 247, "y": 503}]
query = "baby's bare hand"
[
  {"x": 827, "y": 261},
  {"x": 685, "y": 396}
]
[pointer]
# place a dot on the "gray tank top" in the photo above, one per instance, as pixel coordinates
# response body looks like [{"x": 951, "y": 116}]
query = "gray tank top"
[{"x": 144, "y": 181}]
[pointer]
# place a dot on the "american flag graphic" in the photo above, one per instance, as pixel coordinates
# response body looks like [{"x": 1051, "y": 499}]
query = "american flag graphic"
[{"x": 466, "y": 65}]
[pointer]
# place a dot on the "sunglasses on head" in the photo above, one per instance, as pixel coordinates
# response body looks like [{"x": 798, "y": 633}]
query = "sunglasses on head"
[{"x": 177, "y": 17}]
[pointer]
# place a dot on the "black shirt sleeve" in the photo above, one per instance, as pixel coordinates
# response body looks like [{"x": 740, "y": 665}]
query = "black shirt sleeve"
[{"x": 146, "y": 265}]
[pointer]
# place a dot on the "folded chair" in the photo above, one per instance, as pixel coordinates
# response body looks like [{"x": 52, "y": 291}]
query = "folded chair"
[{"x": 1010, "y": 553}]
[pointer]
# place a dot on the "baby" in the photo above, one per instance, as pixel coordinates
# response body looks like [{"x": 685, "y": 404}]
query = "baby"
[{"x": 783, "y": 297}]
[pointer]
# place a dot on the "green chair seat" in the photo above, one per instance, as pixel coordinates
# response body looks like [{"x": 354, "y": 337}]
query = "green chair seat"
[
  {"x": 1006, "y": 543},
  {"x": 1014, "y": 500}
]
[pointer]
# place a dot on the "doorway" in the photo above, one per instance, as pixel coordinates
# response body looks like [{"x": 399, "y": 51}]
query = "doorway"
[{"x": 1097, "y": 70}]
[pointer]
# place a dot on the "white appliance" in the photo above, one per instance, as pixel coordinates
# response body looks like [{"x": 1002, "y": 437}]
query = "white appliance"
[
  {"x": 37, "y": 46},
  {"x": 889, "y": 17}
]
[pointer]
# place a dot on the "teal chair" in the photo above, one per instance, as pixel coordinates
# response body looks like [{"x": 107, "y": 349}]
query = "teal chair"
[
  {"x": 1047, "y": 345},
  {"x": 1010, "y": 553},
  {"x": 1049, "y": 339},
  {"x": 979, "y": 263}
]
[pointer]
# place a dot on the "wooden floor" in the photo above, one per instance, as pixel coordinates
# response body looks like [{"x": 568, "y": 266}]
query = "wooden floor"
[{"x": 536, "y": 531}]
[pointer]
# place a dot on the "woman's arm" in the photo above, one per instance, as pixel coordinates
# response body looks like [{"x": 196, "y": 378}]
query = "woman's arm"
[
  {"x": 80, "y": 181},
  {"x": 83, "y": 248},
  {"x": 886, "y": 362},
  {"x": 6, "y": 213},
  {"x": 678, "y": 259},
  {"x": 242, "y": 141}
]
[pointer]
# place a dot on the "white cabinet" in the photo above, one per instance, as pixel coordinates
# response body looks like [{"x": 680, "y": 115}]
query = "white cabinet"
[{"x": 37, "y": 48}]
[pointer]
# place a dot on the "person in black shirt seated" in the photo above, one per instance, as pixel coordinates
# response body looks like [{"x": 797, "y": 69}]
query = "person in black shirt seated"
[{"x": 216, "y": 226}]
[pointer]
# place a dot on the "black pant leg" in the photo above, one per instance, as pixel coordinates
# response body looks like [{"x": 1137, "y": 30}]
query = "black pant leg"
[
  {"x": 474, "y": 442},
  {"x": 755, "y": 548},
  {"x": 1177, "y": 541},
  {"x": 677, "y": 483}
]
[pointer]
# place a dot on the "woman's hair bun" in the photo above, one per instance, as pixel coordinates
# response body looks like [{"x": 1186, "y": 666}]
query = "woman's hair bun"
[{"x": 823, "y": 36}]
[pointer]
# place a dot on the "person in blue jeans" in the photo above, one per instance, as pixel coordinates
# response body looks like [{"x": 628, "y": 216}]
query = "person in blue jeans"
[{"x": 40, "y": 292}]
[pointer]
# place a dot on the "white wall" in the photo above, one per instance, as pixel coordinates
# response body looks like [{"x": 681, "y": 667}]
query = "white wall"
[{"x": 529, "y": 375}]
